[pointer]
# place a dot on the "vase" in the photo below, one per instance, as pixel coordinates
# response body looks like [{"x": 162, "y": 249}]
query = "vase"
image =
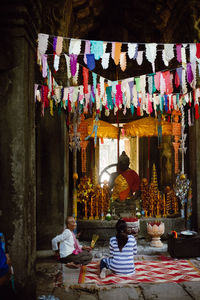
[
  {"x": 133, "y": 228},
  {"x": 155, "y": 230}
]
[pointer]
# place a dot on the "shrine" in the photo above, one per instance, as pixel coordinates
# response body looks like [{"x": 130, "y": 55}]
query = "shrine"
[{"x": 149, "y": 113}]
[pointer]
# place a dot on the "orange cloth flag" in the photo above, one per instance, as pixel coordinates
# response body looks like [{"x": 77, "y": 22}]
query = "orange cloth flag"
[{"x": 118, "y": 47}]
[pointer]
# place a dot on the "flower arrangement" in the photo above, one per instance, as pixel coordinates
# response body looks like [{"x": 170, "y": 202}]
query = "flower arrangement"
[
  {"x": 157, "y": 223},
  {"x": 130, "y": 219}
]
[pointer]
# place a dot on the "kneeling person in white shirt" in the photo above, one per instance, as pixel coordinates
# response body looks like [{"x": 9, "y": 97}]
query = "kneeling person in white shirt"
[{"x": 69, "y": 250}]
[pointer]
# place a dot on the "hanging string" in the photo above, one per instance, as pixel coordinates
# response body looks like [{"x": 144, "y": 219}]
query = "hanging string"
[{"x": 84, "y": 40}]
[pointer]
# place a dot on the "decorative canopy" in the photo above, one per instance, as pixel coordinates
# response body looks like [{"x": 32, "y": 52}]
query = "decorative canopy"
[{"x": 146, "y": 127}]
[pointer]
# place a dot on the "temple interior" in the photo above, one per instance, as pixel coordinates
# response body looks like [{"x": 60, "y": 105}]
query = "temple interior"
[{"x": 60, "y": 149}]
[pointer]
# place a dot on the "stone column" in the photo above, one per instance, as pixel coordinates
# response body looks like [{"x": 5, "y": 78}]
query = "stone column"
[{"x": 17, "y": 142}]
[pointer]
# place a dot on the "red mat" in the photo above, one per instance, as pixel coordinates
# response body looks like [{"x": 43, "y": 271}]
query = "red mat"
[{"x": 146, "y": 271}]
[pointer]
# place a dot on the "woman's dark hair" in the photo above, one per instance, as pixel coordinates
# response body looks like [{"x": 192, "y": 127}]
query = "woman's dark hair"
[{"x": 122, "y": 233}]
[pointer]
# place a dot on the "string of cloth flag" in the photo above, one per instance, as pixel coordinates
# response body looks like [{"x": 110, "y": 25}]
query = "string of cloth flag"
[{"x": 161, "y": 90}]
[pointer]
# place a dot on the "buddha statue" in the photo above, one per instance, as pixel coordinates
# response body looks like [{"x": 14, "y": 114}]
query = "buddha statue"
[{"x": 126, "y": 184}]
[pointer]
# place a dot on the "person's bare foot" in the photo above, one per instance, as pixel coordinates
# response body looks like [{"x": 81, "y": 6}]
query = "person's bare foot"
[
  {"x": 105, "y": 272},
  {"x": 72, "y": 265}
]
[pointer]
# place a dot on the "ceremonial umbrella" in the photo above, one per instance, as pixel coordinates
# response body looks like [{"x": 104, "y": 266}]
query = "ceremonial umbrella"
[
  {"x": 146, "y": 127},
  {"x": 104, "y": 129}
]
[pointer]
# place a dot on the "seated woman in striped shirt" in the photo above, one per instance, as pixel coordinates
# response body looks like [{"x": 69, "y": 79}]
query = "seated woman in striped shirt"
[{"x": 123, "y": 247}]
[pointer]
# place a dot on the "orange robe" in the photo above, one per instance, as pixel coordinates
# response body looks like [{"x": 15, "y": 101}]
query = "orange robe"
[{"x": 126, "y": 182}]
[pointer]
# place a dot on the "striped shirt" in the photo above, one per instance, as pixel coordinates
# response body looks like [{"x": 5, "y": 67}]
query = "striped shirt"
[{"x": 122, "y": 262}]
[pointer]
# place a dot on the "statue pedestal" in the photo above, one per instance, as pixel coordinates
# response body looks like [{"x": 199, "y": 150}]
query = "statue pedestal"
[{"x": 125, "y": 208}]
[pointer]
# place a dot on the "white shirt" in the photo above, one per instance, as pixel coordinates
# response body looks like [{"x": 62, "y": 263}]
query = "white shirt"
[{"x": 66, "y": 241}]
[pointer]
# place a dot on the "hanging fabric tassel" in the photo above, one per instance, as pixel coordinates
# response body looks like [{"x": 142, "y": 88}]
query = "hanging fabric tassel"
[
  {"x": 161, "y": 103},
  {"x": 183, "y": 57},
  {"x": 42, "y": 42},
  {"x": 54, "y": 43},
  {"x": 51, "y": 107},
  {"x": 85, "y": 80},
  {"x": 194, "y": 73},
  {"x": 179, "y": 73},
  {"x": 67, "y": 60},
  {"x": 75, "y": 46},
  {"x": 113, "y": 51},
  {"x": 196, "y": 111},
  {"x": 168, "y": 53},
  {"x": 198, "y": 50},
  {"x": 123, "y": 61},
  {"x": 118, "y": 96},
  {"x": 59, "y": 45},
  {"x": 157, "y": 80},
  {"x": 117, "y": 52},
  {"x": 49, "y": 79},
  {"x": 150, "y": 90},
  {"x": 192, "y": 53},
  {"x": 177, "y": 100},
  {"x": 87, "y": 51},
  {"x": 178, "y": 52},
  {"x": 138, "y": 109},
  {"x": 150, "y": 109},
  {"x": 132, "y": 109},
  {"x": 94, "y": 80},
  {"x": 75, "y": 77},
  {"x": 143, "y": 87},
  {"x": 184, "y": 84},
  {"x": 45, "y": 99},
  {"x": 137, "y": 81},
  {"x": 139, "y": 58},
  {"x": 162, "y": 84},
  {"x": 131, "y": 83},
  {"x": 176, "y": 80},
  {"x": 132, "y": 50},
  {"x": 166, "y": 103},
  {"x": 105, "y": 60},
  {"x": 44, "y": 65},
  {"x": 90, "y": 61},
  {"x": 96, "y": 49},
  {"x": 151, "y": 54},
  {"x": 56, "y": 62},
  {"x": 73, "y": 62},
  {"x": 190, "y": 76},
  {"x": 109, "y": 97},
  {"x": 168, "y": 82}
]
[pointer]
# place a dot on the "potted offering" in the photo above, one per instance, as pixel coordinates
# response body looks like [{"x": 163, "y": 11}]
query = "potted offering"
[
  {"x": 133, "y": 225},
  {"x": 155, "y": 230}
]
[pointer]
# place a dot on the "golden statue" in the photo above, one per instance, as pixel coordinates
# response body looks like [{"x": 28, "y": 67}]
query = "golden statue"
[{"x": 127, "y": 182}]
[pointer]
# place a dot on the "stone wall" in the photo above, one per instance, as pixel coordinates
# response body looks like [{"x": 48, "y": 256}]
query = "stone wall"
[
  {"x": 17, "y": 143},
  {"x": 52, "y": 177},
  {"x": 52, "y": 147}
]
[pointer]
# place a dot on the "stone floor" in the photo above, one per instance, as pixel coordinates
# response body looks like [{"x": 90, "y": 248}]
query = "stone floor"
[{"x": 48, "y": 268}]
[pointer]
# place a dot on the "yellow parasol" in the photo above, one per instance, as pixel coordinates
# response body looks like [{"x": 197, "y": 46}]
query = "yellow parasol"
[
  {"x": 105, "y": 129},
  {"x": 146, "y": 127}
]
